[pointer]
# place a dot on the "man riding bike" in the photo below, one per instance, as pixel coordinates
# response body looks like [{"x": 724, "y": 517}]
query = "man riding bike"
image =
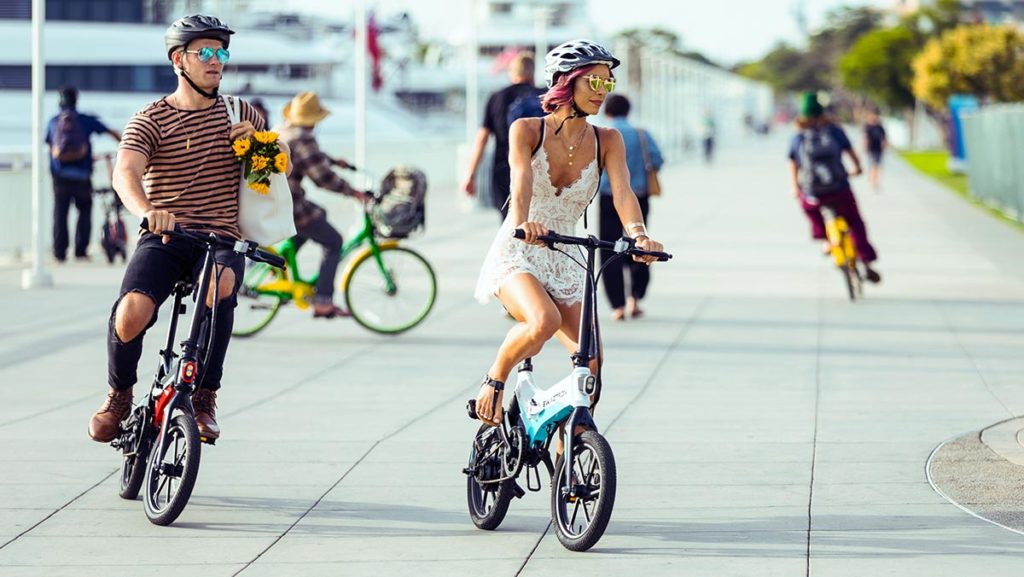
[{"x": 175, "y": 166}]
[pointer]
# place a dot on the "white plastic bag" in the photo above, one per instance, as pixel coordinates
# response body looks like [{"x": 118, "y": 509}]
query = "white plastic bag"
[{"x": 264, "y": 218}]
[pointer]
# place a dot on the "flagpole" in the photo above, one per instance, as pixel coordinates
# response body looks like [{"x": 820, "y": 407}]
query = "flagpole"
[
  {"x": 37, "y": 276},
  {"x": 360, "y": 84}
]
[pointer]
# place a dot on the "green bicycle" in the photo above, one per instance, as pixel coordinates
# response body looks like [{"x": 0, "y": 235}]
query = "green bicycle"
[{"x": 388, "y": 288}]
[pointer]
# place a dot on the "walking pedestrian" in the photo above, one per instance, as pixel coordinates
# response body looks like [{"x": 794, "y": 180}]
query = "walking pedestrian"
[{"x": 69, "y": 136}]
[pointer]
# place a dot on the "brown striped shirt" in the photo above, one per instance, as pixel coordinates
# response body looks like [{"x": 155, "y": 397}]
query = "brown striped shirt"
[{"x": 191, "y": 170}]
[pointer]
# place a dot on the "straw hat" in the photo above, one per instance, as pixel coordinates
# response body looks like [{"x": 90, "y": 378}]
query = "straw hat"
[{"x": 305, "y": 109}]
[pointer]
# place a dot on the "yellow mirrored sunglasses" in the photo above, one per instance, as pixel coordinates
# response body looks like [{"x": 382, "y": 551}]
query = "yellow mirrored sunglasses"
[{"x": 597, "y": 82}]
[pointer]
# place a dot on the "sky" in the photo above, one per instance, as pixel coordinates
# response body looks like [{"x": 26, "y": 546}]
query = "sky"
[{"x": 727, "y": 31}]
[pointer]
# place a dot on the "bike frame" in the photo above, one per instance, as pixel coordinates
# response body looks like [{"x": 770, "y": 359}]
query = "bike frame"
[
  {"x": 366, "y": 235},
  {"x": 568, "y": 401},
  {"x": 166, "y": 395}
]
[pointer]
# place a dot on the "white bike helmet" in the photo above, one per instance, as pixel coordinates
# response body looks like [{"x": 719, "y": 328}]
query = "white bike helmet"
[{"x": 574, "y": 54}]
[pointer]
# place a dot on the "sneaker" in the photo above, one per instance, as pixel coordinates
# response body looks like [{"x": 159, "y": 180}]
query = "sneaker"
[
  {"x": 105, "y": 424},
  {"x": 204, "y": 401},
  {"x": 872, "y": 275}
]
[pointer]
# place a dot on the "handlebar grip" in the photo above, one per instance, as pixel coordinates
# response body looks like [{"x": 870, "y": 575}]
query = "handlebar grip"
[
  {"x": 268, "y": 258},
  {"x": 661, "y": 256},
  {"x": 519, "y": 233}
]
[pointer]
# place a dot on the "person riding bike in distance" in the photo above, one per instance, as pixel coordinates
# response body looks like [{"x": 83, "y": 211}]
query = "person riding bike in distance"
[
  {"x": 301, "y": 116},
  {"x": 175, "y": 166},
  {"x": 820, "y": 179},
  {"x": 556, "y": 167}
]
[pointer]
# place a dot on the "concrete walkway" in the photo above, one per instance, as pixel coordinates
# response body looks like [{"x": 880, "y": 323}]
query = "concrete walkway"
[{"x": 761, "y": 423}]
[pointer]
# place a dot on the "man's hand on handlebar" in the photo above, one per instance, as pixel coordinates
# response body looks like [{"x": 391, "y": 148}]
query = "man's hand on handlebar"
[{"x": 159, "y": 221}]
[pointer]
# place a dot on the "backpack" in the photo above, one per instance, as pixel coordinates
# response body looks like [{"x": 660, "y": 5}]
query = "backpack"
[
  {"x": 821, "y": 163},
  {"x": 69, "y": 142},
  {"x": 526, "y": 105},
  {"x": 402, "y": 206}
]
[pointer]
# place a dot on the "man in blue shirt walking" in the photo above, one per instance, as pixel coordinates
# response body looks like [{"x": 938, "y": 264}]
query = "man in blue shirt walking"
[
  {"x": 616, "y": 108},
  {"x": 68, "y": 136}
]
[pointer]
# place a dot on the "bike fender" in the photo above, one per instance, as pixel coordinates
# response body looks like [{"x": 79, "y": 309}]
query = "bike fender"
[{"x": 362, "y": 254}]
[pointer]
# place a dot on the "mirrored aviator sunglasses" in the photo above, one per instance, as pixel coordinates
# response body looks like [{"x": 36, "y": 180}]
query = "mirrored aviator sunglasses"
[
  {"x": 597, "y": 82},
  {"x": 205, "y": 54}
]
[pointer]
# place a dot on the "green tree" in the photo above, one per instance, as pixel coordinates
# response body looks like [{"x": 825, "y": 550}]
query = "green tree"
[
  {"x": 790, "y": 69},
  {"x": 979, "y": 59},
  {"x": 879, "y": 66}
]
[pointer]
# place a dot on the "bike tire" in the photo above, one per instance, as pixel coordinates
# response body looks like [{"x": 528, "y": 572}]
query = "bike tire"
[
  {"x": 390, "y": 310},
  {"x": 594, "y": 463},
  {"x": 182, "y": 433},
  {"x": 135, "y": 456},
  {"x": 487, "y": 506},
  {"x": 848, "y": 276},
  {"x": 256, "y": 309}
]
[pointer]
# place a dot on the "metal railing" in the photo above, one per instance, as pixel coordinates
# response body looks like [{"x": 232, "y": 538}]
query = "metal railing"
[{"x": 994, "y": 140}]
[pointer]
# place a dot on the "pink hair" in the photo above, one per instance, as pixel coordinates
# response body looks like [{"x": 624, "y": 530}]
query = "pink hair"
[{"x": 561, "y": 93}]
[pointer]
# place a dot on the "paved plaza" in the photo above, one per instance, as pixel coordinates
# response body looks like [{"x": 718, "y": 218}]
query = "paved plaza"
[{"x": 762, "y": 424}]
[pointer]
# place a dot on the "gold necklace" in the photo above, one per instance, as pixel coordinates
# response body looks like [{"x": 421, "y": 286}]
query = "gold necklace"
[
  {"x": 181, "y": 124},
  {"x": 570, "y": 150}
]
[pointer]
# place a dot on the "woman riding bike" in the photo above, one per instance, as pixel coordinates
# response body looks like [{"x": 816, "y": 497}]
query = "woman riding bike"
[{"x": 556, "y": 164}]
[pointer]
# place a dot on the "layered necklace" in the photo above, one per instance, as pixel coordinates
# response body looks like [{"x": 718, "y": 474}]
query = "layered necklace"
[{"x": 572, "y": 149}]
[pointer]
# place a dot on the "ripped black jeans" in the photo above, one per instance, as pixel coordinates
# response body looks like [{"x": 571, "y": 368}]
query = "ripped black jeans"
[{"x": 154, "y": 269}]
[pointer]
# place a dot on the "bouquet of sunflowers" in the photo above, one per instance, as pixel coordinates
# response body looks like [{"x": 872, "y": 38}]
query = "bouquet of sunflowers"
[{"x": 260, "y": 157}]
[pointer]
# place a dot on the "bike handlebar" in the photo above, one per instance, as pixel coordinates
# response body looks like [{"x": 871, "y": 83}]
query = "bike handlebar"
[
  {"x": 248, "y": 248},
  {"x": 552, "y": 238}
]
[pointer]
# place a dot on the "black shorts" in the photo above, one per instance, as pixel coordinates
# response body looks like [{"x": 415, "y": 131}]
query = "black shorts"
[
  {"x": 875, "y": 156},
  {"x": 155, "y": 267}
]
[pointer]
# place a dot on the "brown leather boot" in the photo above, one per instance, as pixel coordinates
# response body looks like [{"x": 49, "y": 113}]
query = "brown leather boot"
[
  {"x": 106, "y": 423},
  {"x": 205, "y": 403}
]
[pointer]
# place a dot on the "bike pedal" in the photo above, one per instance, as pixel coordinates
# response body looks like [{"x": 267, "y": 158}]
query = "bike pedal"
[
  {"x": 469, "y": 471},
  {"x": 471, "y": 409},
  {"x": 518, "y": 491},
  {"x": 208, "y": 440}
]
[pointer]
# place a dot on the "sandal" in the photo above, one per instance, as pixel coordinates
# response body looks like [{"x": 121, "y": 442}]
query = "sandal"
[{"x": 498, "y": 386}]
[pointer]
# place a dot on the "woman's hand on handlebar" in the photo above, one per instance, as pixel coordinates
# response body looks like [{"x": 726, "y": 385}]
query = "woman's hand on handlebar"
[
  {"x": 644, "y": 242},
  {"x": 159, "y": 221},
  {"x": 531, "y": 231}
]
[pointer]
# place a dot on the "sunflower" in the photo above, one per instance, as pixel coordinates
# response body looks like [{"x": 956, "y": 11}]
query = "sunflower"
[
  {"x": 265, "y": 137},
  {"x": 260, "y": 187},
  {"x": 259, "y": 162},
  {"x": 281, "y": 162},
  {"x": 241, "y": 146}
]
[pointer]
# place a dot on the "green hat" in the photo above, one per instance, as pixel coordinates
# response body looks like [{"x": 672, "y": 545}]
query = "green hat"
[{"x": 810, "y": 107}]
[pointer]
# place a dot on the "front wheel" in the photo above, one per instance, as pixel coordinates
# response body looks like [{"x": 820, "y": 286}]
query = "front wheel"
[
  {"x": 581, "y": 510},
  {"x": 488, "y": 502},
  {"x": 171, "y": 472},
  {"x": 257, "y": 305},
  {"x": 135, "y": 443},
  {"x": 392, "y": 294}
]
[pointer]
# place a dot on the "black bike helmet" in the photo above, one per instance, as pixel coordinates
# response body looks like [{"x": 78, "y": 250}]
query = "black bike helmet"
[
  {"x": 574, "y": 54},
  {"x": 194, "y": 27}
]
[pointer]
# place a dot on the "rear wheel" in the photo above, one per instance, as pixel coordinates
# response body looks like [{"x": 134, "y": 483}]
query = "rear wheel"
[
  {"x": 582, "y": 507},
  {"x": 393, "y": 295},
  {"x": 256, "y": 305},
  {"x": 171, "y": 473},
  {"x": 488, "y": 502}
]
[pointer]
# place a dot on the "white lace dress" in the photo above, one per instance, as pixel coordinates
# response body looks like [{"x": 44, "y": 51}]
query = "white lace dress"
[{"x": 559, "y": 210}]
